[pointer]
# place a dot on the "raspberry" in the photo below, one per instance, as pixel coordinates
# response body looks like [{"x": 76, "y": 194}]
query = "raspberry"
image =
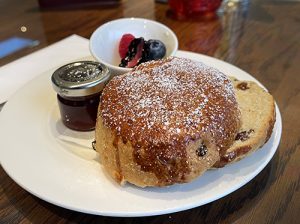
[{"x": 124, "y": 44}]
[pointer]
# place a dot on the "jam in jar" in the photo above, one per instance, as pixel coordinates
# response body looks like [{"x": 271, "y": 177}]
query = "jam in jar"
[{"x": 79, "y": 86}]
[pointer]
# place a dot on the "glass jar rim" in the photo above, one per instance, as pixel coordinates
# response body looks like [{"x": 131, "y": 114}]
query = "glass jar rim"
[{"x": 80, "y": 78}]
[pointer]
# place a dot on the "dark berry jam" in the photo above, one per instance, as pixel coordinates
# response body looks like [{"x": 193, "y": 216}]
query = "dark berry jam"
[
  {"x": 79, "y": 86},
  {"x": 79, "y": 113}
]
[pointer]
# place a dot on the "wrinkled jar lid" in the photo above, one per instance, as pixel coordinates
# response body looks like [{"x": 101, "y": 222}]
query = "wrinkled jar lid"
[{"x": 80, "y": 78}]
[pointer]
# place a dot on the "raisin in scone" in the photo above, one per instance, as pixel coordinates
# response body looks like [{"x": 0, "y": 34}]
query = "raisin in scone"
[
  {"x": 165, "y": 122},
  {"x": 257, "y": 121}
]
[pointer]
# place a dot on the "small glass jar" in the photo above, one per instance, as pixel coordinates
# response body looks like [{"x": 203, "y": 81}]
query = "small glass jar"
[{"x": 79, "y": 86}]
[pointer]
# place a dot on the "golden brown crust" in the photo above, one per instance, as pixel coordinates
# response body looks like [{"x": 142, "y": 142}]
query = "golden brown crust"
[
  {"x": 117, "y": 159},
  {"x": 271, "y": 125},
  {"x": 160, "y": 115}
]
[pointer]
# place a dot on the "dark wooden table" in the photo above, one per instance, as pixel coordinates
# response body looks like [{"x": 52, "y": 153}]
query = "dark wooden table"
[{"x": 260, "y": 37}]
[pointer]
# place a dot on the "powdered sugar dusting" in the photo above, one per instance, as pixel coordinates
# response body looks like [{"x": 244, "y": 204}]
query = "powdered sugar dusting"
[{"x": 170, "y": 101}]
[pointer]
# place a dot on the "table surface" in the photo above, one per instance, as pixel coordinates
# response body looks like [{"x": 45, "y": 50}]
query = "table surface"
[{"x": 260, "y": 37}]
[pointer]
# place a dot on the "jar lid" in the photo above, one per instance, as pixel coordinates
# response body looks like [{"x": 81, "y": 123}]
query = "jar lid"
[{"x": 80, "y": 78}]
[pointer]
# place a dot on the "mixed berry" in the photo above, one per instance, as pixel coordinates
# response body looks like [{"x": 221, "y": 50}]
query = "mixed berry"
[{"x": 135, "y": 51}]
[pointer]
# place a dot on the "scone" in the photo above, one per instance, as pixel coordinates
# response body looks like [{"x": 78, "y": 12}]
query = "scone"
[
  {"x": 165, "y": 122},
  {"x": 257, "y": 121}
]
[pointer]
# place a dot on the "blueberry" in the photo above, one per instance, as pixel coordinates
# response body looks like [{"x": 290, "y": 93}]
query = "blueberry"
[{"x": 153, "y": 50}]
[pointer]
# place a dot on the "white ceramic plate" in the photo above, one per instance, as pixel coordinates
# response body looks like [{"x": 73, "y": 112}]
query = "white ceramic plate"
[{"x": 59, "y": 165}]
